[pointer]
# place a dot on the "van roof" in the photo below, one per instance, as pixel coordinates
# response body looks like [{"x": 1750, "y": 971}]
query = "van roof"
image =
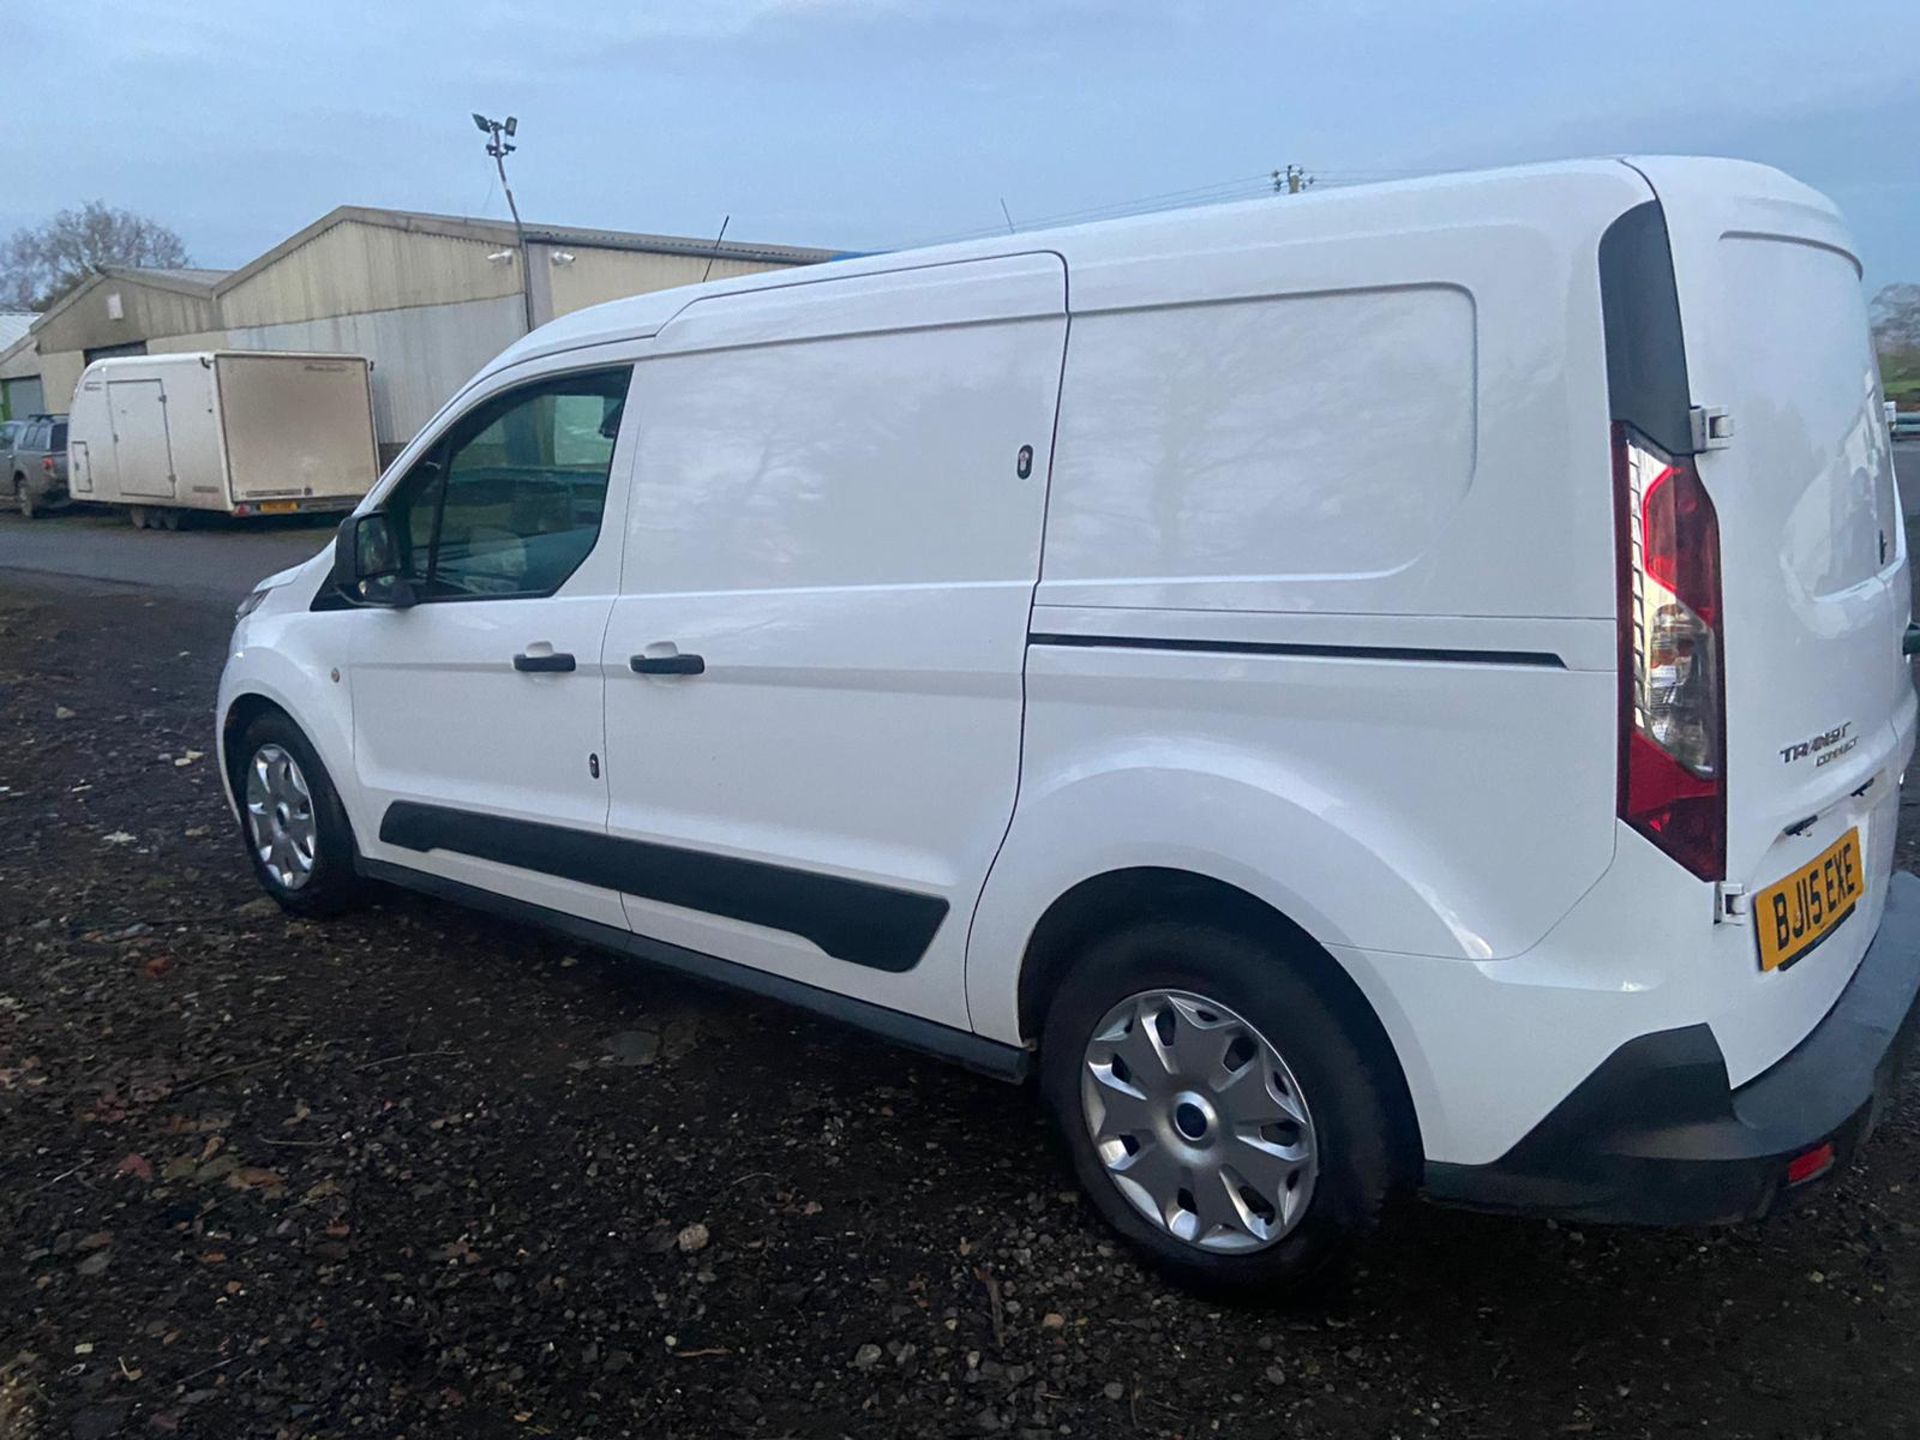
[{"x": 1316, "y": 214}]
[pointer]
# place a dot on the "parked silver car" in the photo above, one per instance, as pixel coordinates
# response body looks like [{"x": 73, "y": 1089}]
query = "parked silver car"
[{"x": 36, "y": 459}]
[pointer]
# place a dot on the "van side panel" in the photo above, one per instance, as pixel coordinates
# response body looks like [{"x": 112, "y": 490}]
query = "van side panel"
[
  {"x": 837, "y": 502},
  {"x": 1330, "y": 409},
  {"x": 1287, "y": 441},
  {"x": 1328, "y": 597}
]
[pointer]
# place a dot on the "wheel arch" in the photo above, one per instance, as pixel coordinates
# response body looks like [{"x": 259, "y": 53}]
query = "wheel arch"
[
  {"x": 1115, "y": 900},
  {"x": 242, "y": 710}
]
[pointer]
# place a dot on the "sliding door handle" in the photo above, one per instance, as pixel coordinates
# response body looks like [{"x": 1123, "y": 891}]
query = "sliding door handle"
[
  {"x": 668, "y": 665},
  {"x": 558, "y": 663}
]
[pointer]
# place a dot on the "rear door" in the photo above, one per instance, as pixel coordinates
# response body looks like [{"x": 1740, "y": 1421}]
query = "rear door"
[
  {"x": 297, "y": 426},
  {"x": 142, "y": 441},
  {"x": 814, "y": 668},
  {"x": 1819, "y": 705}
]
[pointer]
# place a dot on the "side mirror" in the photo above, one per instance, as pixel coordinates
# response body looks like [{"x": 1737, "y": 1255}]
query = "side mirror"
[{"x": 367, "y": 559}]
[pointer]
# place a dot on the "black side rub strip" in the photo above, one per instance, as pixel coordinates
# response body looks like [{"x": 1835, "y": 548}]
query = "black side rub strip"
[
  {"x": 852, "y": 920},
  {"x": 979, "y": 1054},
  {"x": 1539, "y": 658}
]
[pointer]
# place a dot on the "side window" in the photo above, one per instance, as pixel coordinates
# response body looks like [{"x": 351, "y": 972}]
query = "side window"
[{"x": 509, "y": 503}]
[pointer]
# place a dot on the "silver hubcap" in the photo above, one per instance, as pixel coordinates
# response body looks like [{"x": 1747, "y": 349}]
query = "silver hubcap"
[
  {"x": 1198, "y": 1121},
  {"x": 280, "y": 816}
]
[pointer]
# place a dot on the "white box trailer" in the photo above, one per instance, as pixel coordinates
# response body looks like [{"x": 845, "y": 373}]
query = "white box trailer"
[{"x": 240, "y": 432}]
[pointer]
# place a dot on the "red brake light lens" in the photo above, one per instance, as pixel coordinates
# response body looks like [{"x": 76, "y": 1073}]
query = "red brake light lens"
[
  {"x": 1672, "y": 707},
  {"x": 1806, "y": 1165}
]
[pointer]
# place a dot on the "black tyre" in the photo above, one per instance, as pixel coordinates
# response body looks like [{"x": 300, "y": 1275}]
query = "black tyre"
[
  {"x": 23, "y": 497},
  {"x": 296, "y": 832},
  {"x": 1216, "y": 1108}
]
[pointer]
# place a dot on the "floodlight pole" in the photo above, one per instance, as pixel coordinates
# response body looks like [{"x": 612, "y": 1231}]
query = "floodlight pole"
[{"x": 499, "y": 149}]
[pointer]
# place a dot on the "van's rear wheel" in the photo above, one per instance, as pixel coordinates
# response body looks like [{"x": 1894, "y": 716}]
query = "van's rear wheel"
[
  {"x": 1215, "y": 1108},
  {"x": 296, "y": 831},
  {"x": 23, "y": 496}
]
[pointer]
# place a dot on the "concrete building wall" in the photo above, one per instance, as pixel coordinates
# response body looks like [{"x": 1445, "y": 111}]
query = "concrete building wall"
[
  {"x": 355, "y": 268},
  {"x": 86, "y": 322},
  {"x": 420, "y": 355}
]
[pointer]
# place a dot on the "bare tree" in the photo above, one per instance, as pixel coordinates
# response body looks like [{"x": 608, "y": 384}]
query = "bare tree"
[
  {"x": 42, "y": 262},
  {"x": 1896, "y": 320}
]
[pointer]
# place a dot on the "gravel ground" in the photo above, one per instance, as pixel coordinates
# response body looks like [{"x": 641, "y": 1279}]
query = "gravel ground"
[{"x": 420, "y": 1173}]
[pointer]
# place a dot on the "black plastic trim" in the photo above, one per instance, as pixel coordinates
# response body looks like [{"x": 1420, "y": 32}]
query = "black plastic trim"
[
  {"x": 1008, "y": 1063},
  {"x": 667, "y": 664},
  {"x": 1646, "y": 348},
  {"x": 1540, "y": 658},
  {"x": 853, "y": 920},
  {"x": 1656, "y": 1135},
  {"x": 560, "y": 663}
]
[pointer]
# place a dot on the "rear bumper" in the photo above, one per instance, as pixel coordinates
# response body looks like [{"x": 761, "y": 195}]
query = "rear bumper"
[
  {"x": 1657, "y": 1136},
  {"x": 306, "y": 505}
]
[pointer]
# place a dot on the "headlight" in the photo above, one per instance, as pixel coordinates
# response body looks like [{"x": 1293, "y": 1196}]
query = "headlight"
[{"x": 252, "y": 603}]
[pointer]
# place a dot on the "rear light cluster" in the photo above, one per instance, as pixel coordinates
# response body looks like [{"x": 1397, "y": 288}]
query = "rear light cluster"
[{"x": 1673, "y": 785}]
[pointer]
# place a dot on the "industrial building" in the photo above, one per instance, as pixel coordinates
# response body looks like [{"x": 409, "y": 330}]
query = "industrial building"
[
  {"x": 428, "y": 298},
  {"x": 20, "y": 380}
]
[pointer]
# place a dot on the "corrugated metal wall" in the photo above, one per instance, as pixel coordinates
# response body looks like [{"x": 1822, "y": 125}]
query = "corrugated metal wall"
[
  {"x": 182, "y": 344},
  {"x": 420, "y": 355},
  {"x": 60, "y": 377},
  {"x": 145, "y": 311},
  {"x": 352, "y": 268},
  {"x": 595, "y": 276}
]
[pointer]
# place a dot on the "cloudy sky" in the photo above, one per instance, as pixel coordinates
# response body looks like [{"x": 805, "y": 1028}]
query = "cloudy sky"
[{"x": 869, "y": 124}]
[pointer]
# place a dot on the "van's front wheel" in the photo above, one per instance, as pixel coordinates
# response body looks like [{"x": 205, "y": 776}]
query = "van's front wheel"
[
  {"x": 1215, "y": 1108},
  {"x": 295, "y": 828}
]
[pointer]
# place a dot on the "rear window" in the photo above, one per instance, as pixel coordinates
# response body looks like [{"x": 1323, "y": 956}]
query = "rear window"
[{"x": 59, "y": 441}]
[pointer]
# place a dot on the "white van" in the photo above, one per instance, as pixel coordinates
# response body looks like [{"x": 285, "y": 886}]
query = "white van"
[
  {"x": 1395, "y": 687},
  {"x": 238, "y": 432}
]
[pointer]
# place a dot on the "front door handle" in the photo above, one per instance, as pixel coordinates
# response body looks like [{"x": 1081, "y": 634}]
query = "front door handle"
[
  {"x": 668, "y": 665},
  {"x": 558, "y": 663}
]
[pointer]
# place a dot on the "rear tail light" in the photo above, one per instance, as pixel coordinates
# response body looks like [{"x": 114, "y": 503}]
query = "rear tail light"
[
  {"x": 46, "y": 463},
  {"x": 1673, "y": 786}
]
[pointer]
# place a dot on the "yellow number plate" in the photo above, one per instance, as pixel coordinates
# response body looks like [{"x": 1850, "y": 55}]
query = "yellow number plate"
[
  {"x": 279, "y": 507},
  {"x": 1802, "y": 910}
]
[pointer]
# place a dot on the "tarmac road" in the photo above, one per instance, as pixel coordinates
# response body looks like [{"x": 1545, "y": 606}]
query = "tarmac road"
[{"x": 216, "y": 557}]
